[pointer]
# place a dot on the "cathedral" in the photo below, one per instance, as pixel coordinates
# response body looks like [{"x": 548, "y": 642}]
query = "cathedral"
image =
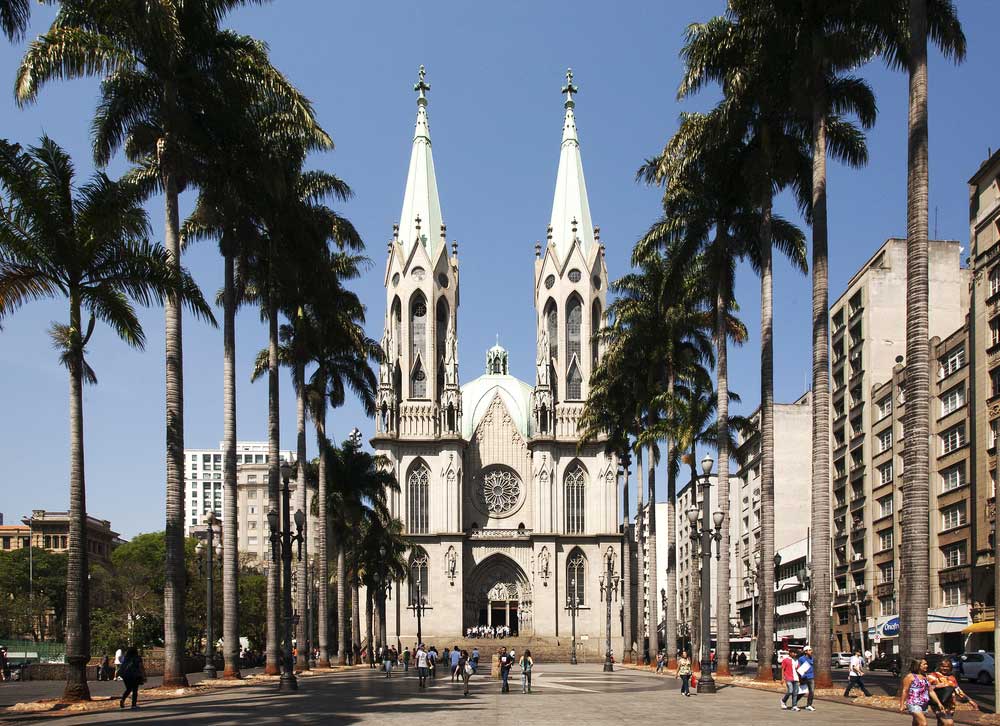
[{"x": 515, "y": 520}]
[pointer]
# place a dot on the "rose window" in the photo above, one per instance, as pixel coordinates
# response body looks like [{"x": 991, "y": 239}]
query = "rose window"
[{"x": 501, "y": 490}]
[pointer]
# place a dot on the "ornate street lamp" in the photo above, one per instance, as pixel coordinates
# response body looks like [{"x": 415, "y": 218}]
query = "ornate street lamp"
[
  {"x": 208, "y": 567},
  {"x": 706, "y": 534},
  {"x": 609, "y": 591},
  {"x": 573, "y": 603},
  {"x": 281, "y": 547}
]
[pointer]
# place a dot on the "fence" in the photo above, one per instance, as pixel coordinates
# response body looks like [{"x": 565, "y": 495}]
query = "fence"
[{"x": 44, "y": 651}]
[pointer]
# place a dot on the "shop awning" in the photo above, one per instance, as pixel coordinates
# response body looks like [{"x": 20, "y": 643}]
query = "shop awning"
[{"x": 985, "y": 626}]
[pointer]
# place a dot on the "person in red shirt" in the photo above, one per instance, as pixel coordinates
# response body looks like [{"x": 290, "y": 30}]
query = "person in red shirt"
[
  {"x": 791, "y": 678},
  {"x": 946, "y": 688}
]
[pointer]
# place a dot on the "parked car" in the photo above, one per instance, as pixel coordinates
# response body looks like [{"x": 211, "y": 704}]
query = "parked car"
[
  {"x": 840, "y": 660},
  {"x": 978, "y": 667},
  {"x": 885, "y": 662},
  {"x": 934, "y": 661}
]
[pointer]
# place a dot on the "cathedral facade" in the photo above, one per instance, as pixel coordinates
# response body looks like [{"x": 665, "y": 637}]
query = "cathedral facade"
[{"x": 515, "y": 520}]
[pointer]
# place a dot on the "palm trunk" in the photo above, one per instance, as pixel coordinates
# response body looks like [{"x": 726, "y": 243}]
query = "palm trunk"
[
  {"x": 670, "y": 616},
  {"x": 820, "y": 582},
  {"x": 629, "y": 634},
  {"x": 640, "y": 541},
  {"x": 382, "y": 637},
  {"x": 914, "y": 562},
  {"x": 355, "y": 612},
  {"x": 230, "y": 529},
  {"x": 77, "y": 572},
  {"x": 302, "y": 503},
  {"x": 653, "y": 594},
  {"x": 765, "y": 641},
  {"x": 341, "y": 607},
  {"x": 368, "y": 623},
  {"x": 272, "y": 665},
  {"x": 323, "y": 556},
  {"x": 175, "y": 573}
]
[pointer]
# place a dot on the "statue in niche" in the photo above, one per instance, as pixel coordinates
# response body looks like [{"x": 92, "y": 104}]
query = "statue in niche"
[
  {"x": 542, "y": 359},
  {"x": 451, "y": 356},
  {"x": 388, "y": 352}
]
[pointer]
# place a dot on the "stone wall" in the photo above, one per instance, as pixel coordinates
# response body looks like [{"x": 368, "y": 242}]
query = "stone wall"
[{"x": 57, "y": 671}]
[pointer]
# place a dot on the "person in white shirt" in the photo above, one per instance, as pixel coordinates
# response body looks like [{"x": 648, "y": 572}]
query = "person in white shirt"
[
  {"x": 118, "y": 663},
  {"x": 855, "y": 674},
  {"x": 422, "y": 665}
]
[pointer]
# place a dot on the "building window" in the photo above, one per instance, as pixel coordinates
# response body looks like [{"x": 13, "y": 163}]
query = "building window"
[
  {"x": 952, "y": 400},
  {"x": 885, "y": 473},
  {"x": 995, "y": 382},
  {"x": 994, "y": 280},
  {"x": 953, "y": 477},
  {"x": 575, "y": 500},
  {"x": 417, "y": 493},
  {"x": 951, "y": 595},
  {"x": 419, "y": 582},
  {"x": 954, "y": 554},
  {"x": 885, "y": 440},
  {"x": 994, "y": 334},
  {"x": 251, "y": 525},
  {"x": 574, "y": 383},
  {"x": 953, "y": 361},
  {"x": 884, "y": 407},
  {"x": 887, "y": 605},
  {"x": 953, "y": 439},
  {"x": 419, "y": 382},
  {"x": 251, "y": 541},
  {"x": 993, "y": 433},
  {"x": 886, "y": 572},
  {"x": 885, "y": 540},
  {"x": 953, "y": 516},
  {"x": 885, "y": 506},
  {"x": 576, "y": 578}
]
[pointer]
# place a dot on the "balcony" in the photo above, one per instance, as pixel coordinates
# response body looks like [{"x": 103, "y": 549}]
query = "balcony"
[
  {"x": 884, "y": 589},
  {"x": 858, "y": 563},
  {"x": 857, "y": 472},
  {"x": 857, "y": 532},
  {"x": 858, "y": 503}
]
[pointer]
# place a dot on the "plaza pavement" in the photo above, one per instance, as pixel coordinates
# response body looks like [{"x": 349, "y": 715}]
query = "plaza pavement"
[{"x": 562, "y": 694}]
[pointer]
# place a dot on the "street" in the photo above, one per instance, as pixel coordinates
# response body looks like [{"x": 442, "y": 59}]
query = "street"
[{"x": 561, "y": 694}]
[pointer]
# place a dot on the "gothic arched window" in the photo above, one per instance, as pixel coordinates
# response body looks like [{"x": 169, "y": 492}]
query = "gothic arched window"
[
  {"x": 574, "y": 323},
  {"x": 397, "y": 326},
  {"x": 418, "y": 327},
  {"x": 418, "y": 385},
  {"x": 575, "y": 499},
  {"x": 419, "y": 582},
  {"x": 574, "y": 383},
  {"x": 595, "y": 327},
  {"x": 552, "y": 327},
  {"x": 576, "y": 579},
  {"x": 418, "y": 499},
  {"x": 440, "y": 338}
]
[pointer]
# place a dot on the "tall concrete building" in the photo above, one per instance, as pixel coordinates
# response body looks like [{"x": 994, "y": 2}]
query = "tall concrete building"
[
  {"x": 792, "y": 511},
  {"x": 984, "y": 358},
  {"x": 868, "y": 333}
]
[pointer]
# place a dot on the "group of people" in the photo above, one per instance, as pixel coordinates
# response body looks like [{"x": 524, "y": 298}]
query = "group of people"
[
  {"x": 488, "y": 631},
  {"x": 938, "y": 691},
  {"x": 799, "y": 676}
]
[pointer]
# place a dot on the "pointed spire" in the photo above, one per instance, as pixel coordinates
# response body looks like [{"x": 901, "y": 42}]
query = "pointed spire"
[
  {"x": 421, "y": 205},
  {"x": 570, "y": 206}
]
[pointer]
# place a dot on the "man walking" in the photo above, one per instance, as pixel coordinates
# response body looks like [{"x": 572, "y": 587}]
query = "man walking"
[
  {"x": 855, "y": 674},
  {"x": 804, "y": 666},
  {"x": 456, "y": 656},
  {"x": 505, "y": 665},
  {"x": 421, "y": 659},
  {"x": 790, "y": 676}
]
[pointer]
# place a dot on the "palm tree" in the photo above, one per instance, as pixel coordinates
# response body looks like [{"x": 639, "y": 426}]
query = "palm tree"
[
  {"x": 89, "y": 244},
  {"x": 14, "y": 17},
  {"x": 165, "y": 64}
]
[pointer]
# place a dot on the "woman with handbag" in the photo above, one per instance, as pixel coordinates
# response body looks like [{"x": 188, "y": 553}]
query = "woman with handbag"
[
  {"x": 946, "y": 688},
  {"x": 465, "y": 669},
  {"x": 133, "y": 674},
  {"x": 526, "y": 664}
]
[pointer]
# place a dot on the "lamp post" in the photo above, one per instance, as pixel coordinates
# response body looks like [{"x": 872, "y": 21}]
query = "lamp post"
[
  {"x": 314, "y": 593},
  {"x": 857, "y": 599},
  {"x": 777, "y": 579},
  {"x": 609, "y": 590},
  {"x": 706, "y": 534},
  {"x": 281, "y": 545},
  {"x": 209, "y": 568},
  {"x": 420, "y": 607},
  {"x": 750, "y": 584},
  {"x": 573, "y": 604}
]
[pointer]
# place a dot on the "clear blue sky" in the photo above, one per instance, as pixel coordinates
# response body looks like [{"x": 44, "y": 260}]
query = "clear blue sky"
[{"x": 496, "y": 117}]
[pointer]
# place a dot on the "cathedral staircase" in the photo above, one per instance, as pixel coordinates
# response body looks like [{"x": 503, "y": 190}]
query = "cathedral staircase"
[{"x": 543, "y": 650}]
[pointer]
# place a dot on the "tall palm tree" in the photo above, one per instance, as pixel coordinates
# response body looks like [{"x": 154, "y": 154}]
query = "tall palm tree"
[
  {"x": 14, "y": 17},
  {"x": 162, "y": 62},
  {"x": 87, "y": 243}
]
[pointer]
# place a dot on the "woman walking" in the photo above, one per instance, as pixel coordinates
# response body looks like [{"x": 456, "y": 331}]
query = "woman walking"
[
  {"x": 526, "y": 664},
  {"x": 465, "y": 669},
  {"x": 684, "y": 673},
  {"x": 133, "y": 674},
  {"x": 948, "y": 692},
  {"x": 915, "y": 694}
]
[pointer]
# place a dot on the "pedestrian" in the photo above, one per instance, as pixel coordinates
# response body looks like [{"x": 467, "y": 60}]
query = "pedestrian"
[
  {"x": 456, "y": 656},
  {"x": 4, "y": 664},
  {"x": 422, "y": 659},
  {"x": 104, "y": 670},
  {"x": 432, "y": 657},
  {"x": 357, "y": 654},
  {"x": 659, "y": 662},
  {"x": 386, "y": 661},
  {"x": 475, "y": 659},
  {"x": 855, "y": 674},
  {"x": 743, "y": 660},
  {"x": 526, "y": 663},
  {"x": 118, "y": 663},
  {"x": 684, "y": 673},
  {"x": 948, "y": 692},
  {"x": 406, "y": 660},
  {"x": 505, "y": 666},
  {"x": 465, "y": 668},
  {"x": 790, "y": 676},
  {"x": 804, "y": 666},
  {"x": 915, "y": 693},
  {"x": 133, "y": 674}
]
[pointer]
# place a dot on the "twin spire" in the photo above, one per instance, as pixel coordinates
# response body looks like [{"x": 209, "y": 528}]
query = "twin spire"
[{"x": 420, "y": 221}]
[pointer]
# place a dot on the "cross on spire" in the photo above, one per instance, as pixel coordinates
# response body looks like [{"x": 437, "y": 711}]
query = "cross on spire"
[
  {"x": 421, "y": 86},
  {"x": 569, "y": 89}
]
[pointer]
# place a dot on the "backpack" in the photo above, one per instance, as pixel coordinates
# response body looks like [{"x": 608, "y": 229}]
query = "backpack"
[{"x": 468, "y": 668}]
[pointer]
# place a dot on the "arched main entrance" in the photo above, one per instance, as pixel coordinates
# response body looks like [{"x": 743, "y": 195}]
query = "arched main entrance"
[{"x": 499, "y": 594}]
